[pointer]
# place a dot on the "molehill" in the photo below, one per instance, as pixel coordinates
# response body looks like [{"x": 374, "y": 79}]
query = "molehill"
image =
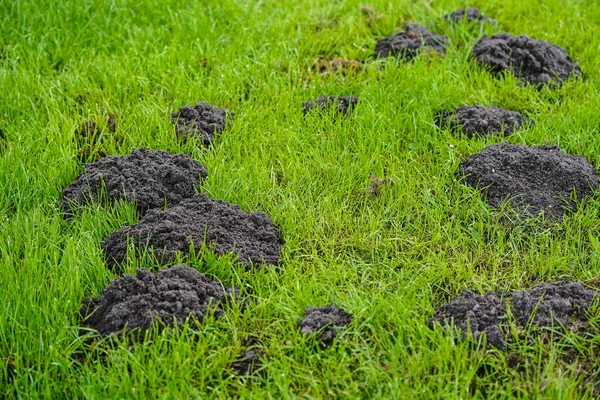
[
  {"x": 546, "y": 305},
  {"x": 201, "y": 121},
  {"x": 225, "y": 226},
  {"x": 326, "y": 322},
  {"x": 148, "y": 177},
  {"x": 480, "y": 121},
  {"x": 534, "y": 61},
  {"x": 406, "y": 45},
  {"x": 535, "y": 179},
  {"x": 344, "y": 104}
]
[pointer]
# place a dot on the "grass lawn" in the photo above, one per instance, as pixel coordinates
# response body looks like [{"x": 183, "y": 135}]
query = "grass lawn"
[{"x": 390, "y": 260}]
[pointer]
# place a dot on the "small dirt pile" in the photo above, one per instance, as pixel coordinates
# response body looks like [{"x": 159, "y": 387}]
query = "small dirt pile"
[
  {"x": 324, "y": 321},
  {"x": 225, "y": 226},
  {"x": 533, "y": 61},
  {"x": 344, "y": 104},
  {"x": 202, "y": 121},
  {"x": 137, "y": 302},
  {"x": 480, "y": 121},
  {"x": 535, "y": 179},
  {"x": 546, "y": 305},
  {"x": 406, "y": 45},
  {"x": 148, "y": 177},
  {"x": 469, "y": 15}
]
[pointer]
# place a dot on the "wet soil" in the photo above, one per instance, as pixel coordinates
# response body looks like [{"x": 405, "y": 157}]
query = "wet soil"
[
  {"x": 201, "y": 121},
  {"x": 325, "y": 322},
  {"x": 407, "y": 45},
  {"x": 480, "y": 121}
]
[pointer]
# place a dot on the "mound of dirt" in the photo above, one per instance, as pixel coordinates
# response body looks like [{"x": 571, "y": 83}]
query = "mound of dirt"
[
  {"x": 480, "y": 121},
  {"x": 200, "y": 219},
  {"x": 469, "y": 15},
  {"x": 148, "y": 177},
  {"x": 325, "y": 321},
  {"x": 546, "y": 305},
  {"x": 534, "y": 61},
  {"x": 344, "y": 104},
  {"x": 201, "y": 121},
  {"x": 406, "y": 45},
  {"x": 535, "y": 179},
  {"x": 137, "y": 302}
]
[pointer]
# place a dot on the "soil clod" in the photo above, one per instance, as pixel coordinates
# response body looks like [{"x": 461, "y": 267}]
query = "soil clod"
[
  {"x": 137, "y": 302},
  {"x": 546, "y": 305},
  {"x": 470, "y": 15},
  {"x": 533, "y": 61},
  {"x": 326, "y": 322},
  {"x": 406, "y": 45},
  {"x": 202, "y": 121},
  {"x": 535, "y": 179},
  {"x": 480, "y": 121},
  {"x": 148, "y": 177},
  {"x": 200, "y": 219},
  {"x": 344, "y": 104}
]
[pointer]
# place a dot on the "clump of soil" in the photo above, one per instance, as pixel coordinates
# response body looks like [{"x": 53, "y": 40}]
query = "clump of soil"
[
  {"x": 535, "y": 179},
  {"x": 534, "y": 61},
  {"x": 148, "y": 177},
  {"x": 377, "y": 184},
  {"x": 563, "y": 303},
  {"x": 480, "y": 121},
  {"x": 326, "y": 322},
  {"x": 137, "y": 302},
  {"x": 202, "y": 121},
  {"x": 469, "y": 15},
  {"x": 344, "y": 104},
  {"x": 200, "y": 219},
  {"x": 335, "y": 65},
  {"x": 406, "y": 45}
]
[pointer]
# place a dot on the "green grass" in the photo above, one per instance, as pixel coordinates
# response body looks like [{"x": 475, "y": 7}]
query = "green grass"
[{"x": 389, "y": 260}]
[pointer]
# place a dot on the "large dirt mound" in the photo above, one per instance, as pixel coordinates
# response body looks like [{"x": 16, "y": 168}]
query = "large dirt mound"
[
  {"x": 406, "y": 45},
  {"x": 344, "y": 104},
  {"x": 546, "y": 305},
  {"x": 225, "y": 226},
  {"x": 469, "y": 15},
  {"x": 534, "y": 61},
  {"x": 535, "y": 179},
  {"x": 480, "y": 121},
  {"x": 201, "y": 121},
  {"x": 136, "y": 302},
  {"x": 147, "y": 177},
  {"x": 326, "y": 321}
]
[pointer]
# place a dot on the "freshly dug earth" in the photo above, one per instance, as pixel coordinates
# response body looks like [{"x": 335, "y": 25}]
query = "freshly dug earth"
[
  {"x": 225, "y": 226},
  {"x": 480, "y": 121},
  {"x": 136, "y": 302},
  {"x": 148, "y": 177},
  {"x": 406, "y": 45},
  {"x": 201, "y": 121},
  {"x": 469, "y": 15},
  {"x": 535, "y": 179},
  {"x": 344, "y": 104},
  {"x": 326, "y": 321},
  {"x": 545, "y": 305},
  {"x": 534, "y": 61}
]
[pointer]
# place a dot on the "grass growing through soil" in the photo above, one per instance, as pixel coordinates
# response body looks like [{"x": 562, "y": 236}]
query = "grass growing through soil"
[{"x": 389, "y": 259}]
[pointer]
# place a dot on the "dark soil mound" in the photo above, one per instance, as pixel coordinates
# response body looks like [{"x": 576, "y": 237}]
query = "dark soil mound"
[
  {"x": 535, "y": 179},
  {"x": 406, "y": 45},
  {"x": 136, "y": 302},
  {"x": 147, "y": 177},
  {"x": 325, "y": 321},
  {"x": 534, "y": 61},
  {"x": 201, "y": 121},
  {"x": 480, "y": 121},
  {"x": 344, "y": 104},
  {"x": 469, "y": 15},
  {"x": 225, "y": 226},
  {"x": 546, "y": 305}
]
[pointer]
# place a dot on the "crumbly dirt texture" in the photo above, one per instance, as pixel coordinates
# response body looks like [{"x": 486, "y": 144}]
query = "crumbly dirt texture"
[
  {"x": 480, "y": 121},
  {"x": 227, "y": 228},
  {"x": 201, "y": 121},
  {"x": 148, "y": 177},
  {"x": 344, "y": 104},
  {"x": 136, "y": 302},
  {"x": 533, "y": 61},
  {"x": 326, "y": 321},
  {"x": 470, "y": 15},
  {"x": 535, "y": 179},
  {"x": 406, "y": 45},
  {"x": 546, "y": 305}
]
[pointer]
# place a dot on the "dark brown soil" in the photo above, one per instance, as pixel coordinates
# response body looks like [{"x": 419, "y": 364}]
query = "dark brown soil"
[
  {"x": 202, "y": 121},
  {"x": 325, "y": 322},
  {"x": 406, "y": 45},
  {"x": 469, "y": 15},
  {"x": 480, "y": 121},
  {"x": 226, "y": 227},
  {"x": 344, "y": 104}
]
